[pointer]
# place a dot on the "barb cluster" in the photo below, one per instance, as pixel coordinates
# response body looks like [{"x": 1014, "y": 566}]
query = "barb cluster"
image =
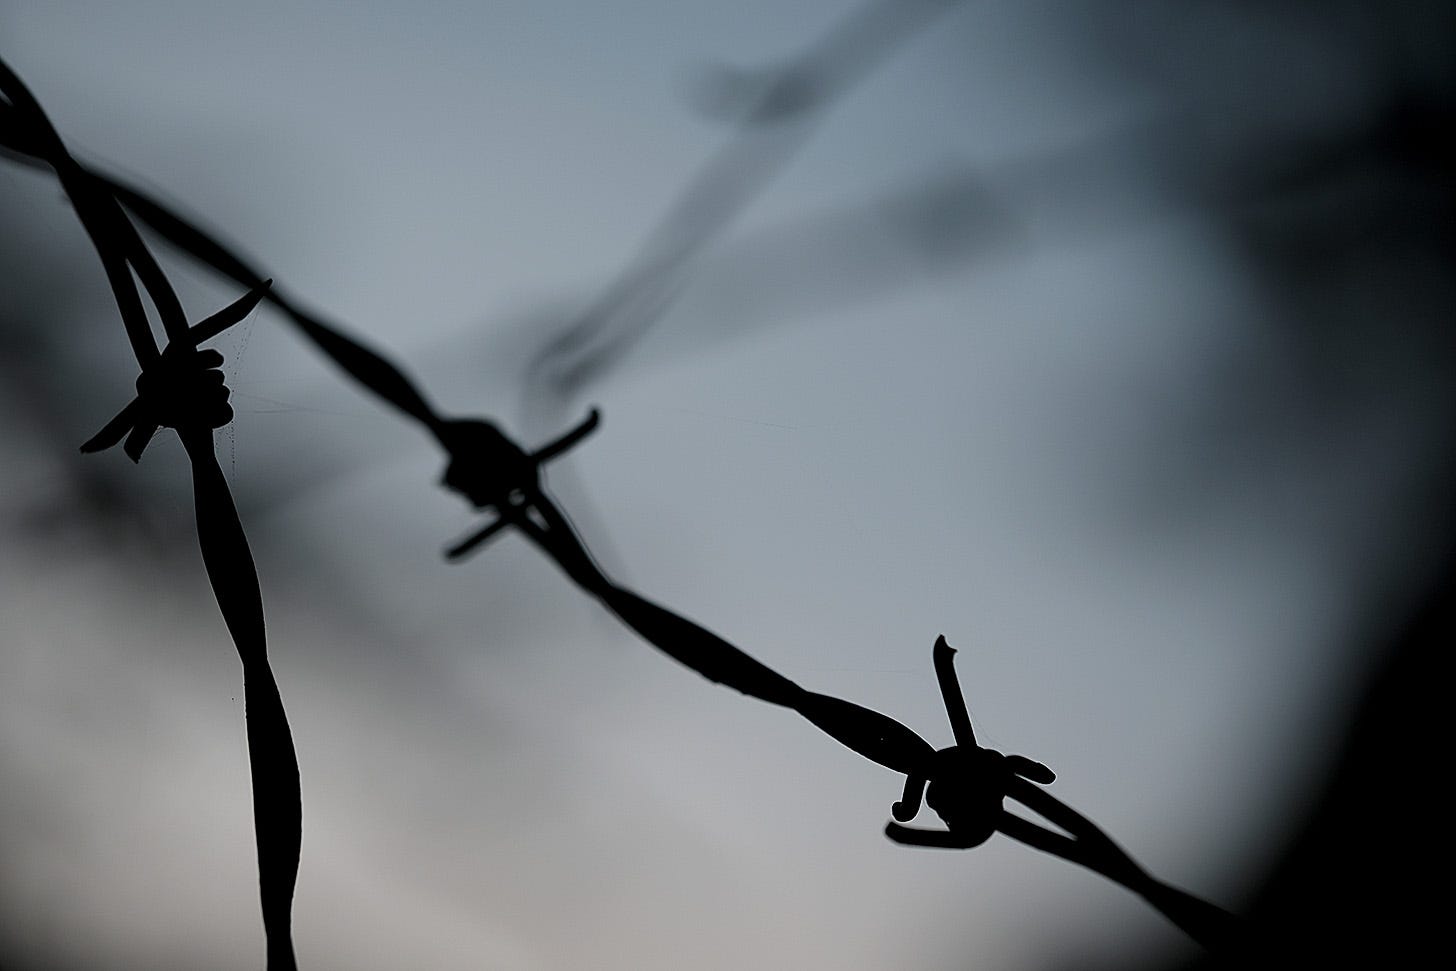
[
  {"x": 182, "y": 389},
  {"x": 495, "y": 473}
]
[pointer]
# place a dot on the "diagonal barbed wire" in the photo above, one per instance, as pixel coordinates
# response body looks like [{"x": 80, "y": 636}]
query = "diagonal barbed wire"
[
  {"x": 967, "y": 783},
  {"x": 506, "y": 480},
  {"x": 176, "y": 388}
]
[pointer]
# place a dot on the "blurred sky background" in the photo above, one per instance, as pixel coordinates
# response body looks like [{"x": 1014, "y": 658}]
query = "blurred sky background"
[{"x": 1108, "y": 339}]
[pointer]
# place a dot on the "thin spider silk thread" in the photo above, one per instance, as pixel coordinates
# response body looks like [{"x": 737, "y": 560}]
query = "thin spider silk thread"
[{"x": 235, "y": 370}]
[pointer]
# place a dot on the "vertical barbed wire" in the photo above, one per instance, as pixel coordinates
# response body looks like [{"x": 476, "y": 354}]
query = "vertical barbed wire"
[
  {"x": 176, "y": 390},
  {"x": 775, "y": 111}
]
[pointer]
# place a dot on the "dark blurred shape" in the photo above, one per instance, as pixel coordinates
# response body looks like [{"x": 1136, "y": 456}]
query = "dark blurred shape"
[
  {"x": 1364, "y": 884},
  {"x": 79, "y": 499},
  {"x": 848, "y": 51},
  {"x": 1351, "y": 232},
  {"x": 775, "y": 110},
  {"x": 839, "y": 259},
  {"x": 1342, "y": 213},
  {"x": 1365, "y": 881}
]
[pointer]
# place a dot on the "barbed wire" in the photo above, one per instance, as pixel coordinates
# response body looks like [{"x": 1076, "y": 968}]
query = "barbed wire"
[
  {"x": 965, "y": 784},
  {"x": 181, "y": 387}
]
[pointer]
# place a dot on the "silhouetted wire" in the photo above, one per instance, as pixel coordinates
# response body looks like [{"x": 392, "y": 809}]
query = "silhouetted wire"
[
  {"x": 174, "y": 382},
  {"x": 967, "y": 783},
  {"x": 357, "y": 360},
  {"x": 480, "y": 453},
  {"x": 497, "y": 475}
]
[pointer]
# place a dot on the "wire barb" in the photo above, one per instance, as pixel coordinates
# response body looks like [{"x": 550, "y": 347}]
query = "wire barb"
[{"x": 182, "y": 388}]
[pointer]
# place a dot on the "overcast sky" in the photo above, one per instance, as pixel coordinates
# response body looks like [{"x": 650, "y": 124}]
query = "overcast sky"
[{"x": 1026, "y": 338}]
